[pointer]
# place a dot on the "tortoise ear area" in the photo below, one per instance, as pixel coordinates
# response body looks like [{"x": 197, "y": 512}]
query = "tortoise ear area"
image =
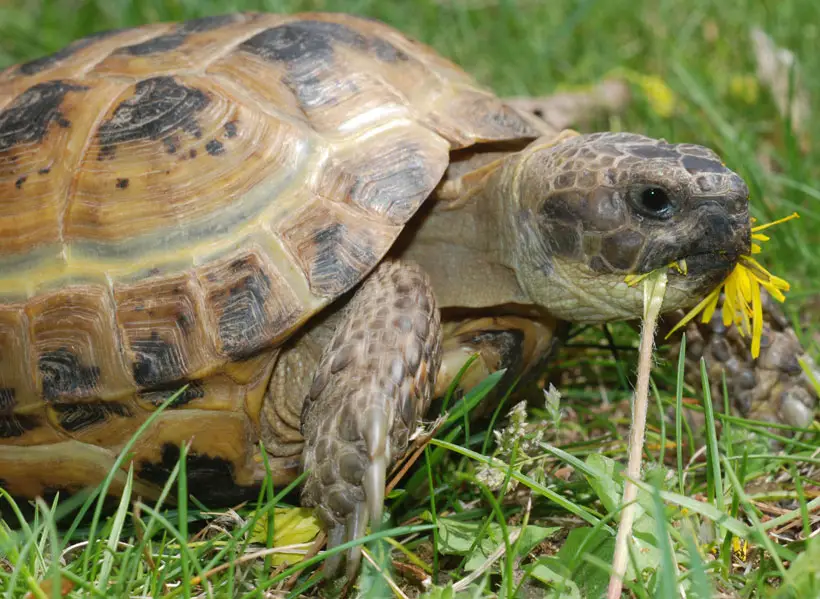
[
  {"x": 623, "y": 249},
  {"x": 600, "y": 210},
  {"x": 588, "y": 227}
]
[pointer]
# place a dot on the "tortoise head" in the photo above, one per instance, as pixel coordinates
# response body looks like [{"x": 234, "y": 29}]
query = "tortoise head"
[{"x": 588, "y": 210}]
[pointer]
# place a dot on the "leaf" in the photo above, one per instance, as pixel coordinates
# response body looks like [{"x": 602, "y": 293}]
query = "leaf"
[
  {"x": 593, "y": 579},
  {"x": 803, "y": 575},
  {"x": 532, "y": 536},
  {"x": 472, "y": 398},
  {"x": 447, "y": 592},
  {"x": 291, "y": 526},
  {"x": 603, "y": 482},
  {"x": 667, "y": 576},
  {"x": 553, "y": 573},
  {"x": 707, "y": 510},
  {"x": 604, "y": 476},
  {"x": 582, "y": 512},
  {"x": 599, "y": 545},
  {"x": 456, "y": 537},
  {"x": 440, "y": 593}
]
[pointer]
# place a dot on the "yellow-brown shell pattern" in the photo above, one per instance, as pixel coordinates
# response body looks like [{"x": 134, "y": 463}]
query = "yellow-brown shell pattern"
[{"x": 176, "y": 198}]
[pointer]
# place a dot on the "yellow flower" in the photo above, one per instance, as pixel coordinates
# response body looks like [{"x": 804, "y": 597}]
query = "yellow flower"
[
  {"x": 660, "y": 97},
  {"x": 745, "y": 88},
  {"x": 742, "y": 305}
]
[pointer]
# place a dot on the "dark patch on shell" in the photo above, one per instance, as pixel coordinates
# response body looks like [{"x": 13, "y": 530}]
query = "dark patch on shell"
[
  {"x": 386, "y": 51},
  {"x": 44, "y": 62},
  {"x": 7, "y": 398},
  {"x": 159, "y": 395},
  {"x": 399, "y": 183},
  {"x": 16, "y": 425},
  {"x": 159, "y": 107},
  {"x": 155, "y": 45},
  {"x": 192, "y": 153},
  {"x": 215, "y": 147},
  {"x": 31, "y": 114},
  {"x": 75, "y": 417},
  {"x": 203, "y": 24},
  {"x": 336, "y": 266},
  {"x": 19, "y": 183},
  {"x": 230, "y": 129},
  {"x": 173, "y": 40},
  {"x": 44, "y": 171},
  {"x": 122, "y": 183},
  {"x": 303, "y": 41},
  {"x": 184, "y": 323},
  {"x": 170, "y": 144},
  {"x": 307, "y": 50},
  {"x": 209, "y": 478},
  {"x": 244, "y": 320},
  {"x": 156, "y": 361},
  {"x": 63, "y": 375},
  {"x": 107, "y": 153}
]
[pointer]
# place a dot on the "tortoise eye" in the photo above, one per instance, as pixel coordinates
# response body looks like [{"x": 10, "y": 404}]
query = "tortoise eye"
[{"x": 653, "y": 202}]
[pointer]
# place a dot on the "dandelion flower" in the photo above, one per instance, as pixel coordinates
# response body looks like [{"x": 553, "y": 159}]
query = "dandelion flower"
[
  {"x": 659, "y": 96},
  {"x": 742, "y": 305}
]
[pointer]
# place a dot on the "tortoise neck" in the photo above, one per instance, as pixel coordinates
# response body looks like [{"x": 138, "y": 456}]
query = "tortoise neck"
[{"x": 462, "y": 246}]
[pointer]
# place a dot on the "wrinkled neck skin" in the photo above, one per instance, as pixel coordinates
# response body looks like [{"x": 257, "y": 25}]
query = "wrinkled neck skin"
[{"x": 463, "y": 245}]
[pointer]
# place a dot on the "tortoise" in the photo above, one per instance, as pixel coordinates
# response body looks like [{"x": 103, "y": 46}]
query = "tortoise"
[{"x": 309, "y": 223}]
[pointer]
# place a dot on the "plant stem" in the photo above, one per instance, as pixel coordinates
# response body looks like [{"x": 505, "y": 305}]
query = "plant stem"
[{"x": 653, "y": 292}]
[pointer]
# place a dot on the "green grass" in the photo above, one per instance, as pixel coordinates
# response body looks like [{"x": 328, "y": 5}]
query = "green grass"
[{"x": 697, "y": 513}]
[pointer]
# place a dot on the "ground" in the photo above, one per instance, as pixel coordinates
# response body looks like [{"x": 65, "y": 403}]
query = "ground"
[{"x": 548, "y": 520}]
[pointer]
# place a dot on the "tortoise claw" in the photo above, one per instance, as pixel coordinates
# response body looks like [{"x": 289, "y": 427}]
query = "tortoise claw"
[
  {"x": 356, "y": 526},
  {"x": 373, "y": 382},
  {"x": 376, "y": 472},
  {"x": 335, "y": 537}
]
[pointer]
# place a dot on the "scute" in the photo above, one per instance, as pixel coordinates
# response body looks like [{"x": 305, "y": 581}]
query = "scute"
[
  {"x": 249, "y": 303},
  {"x": 176, "y": 198}
]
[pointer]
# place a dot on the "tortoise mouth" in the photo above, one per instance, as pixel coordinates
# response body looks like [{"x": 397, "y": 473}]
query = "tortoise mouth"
[
  {"x": 708, "y": 262},
  {"x": 704, "y": 271}
]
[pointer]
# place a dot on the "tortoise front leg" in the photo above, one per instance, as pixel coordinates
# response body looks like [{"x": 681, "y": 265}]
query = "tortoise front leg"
[
  {"x": 772, "y": 388},
  {"x": 373, "y": 382}
]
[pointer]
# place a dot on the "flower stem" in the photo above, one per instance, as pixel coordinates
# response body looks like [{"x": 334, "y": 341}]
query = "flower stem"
[{"x": 653, "y": 292}]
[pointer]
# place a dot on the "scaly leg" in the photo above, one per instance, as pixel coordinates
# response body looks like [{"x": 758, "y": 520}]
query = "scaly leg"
[
  {"x": 374, "y": 381},
  {"x": 772, "y": 388}
]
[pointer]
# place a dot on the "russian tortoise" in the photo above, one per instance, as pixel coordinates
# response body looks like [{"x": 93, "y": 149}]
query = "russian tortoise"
[{"x": 312, "y": 221}]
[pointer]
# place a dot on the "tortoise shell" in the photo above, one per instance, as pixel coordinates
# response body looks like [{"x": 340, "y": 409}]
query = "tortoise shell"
[{"x": 177, "y": 199}]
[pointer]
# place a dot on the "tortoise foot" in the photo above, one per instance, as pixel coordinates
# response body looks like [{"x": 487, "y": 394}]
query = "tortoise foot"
[
  {"x": 374, "y": 381},
  {"x": 773, "y": 387}
]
